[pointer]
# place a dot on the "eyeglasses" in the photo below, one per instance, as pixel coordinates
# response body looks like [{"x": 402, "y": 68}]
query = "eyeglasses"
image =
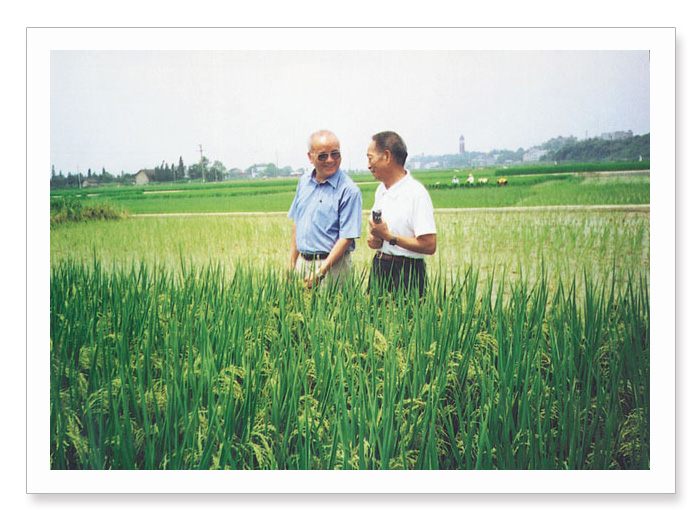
[{"x": 335, "y": 155}]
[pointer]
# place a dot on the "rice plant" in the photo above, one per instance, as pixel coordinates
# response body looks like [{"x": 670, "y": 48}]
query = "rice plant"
[{"x": 208, "y": 367}]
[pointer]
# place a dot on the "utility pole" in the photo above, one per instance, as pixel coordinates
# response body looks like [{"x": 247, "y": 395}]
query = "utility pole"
[{"x": 201, "y": 161}]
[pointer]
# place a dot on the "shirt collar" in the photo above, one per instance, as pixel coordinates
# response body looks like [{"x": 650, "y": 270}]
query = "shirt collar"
[
  {"x": 395, "y": 187},
  {"x": 333, "y": 180}
]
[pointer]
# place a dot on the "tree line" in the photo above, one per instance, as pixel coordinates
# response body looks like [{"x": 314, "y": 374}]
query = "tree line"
[
  {"x": 165, "y": 172},
  {"x": 161, "y": 173},
  {"x": 598, "y": 149},
  {"x": 559, "y": 149}
]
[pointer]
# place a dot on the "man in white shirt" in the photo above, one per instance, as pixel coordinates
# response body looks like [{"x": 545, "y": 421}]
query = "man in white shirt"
[{"x": 405, "y": 233}]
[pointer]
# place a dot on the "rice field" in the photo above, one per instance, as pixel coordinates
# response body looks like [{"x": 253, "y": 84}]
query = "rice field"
[
  {"x": 567, "y": 241},
  {"x": 180, "y": 343},
  {"x": 277, "y": 194}
]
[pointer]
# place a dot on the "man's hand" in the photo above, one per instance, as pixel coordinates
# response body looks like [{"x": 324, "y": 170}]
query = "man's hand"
[
  {"x": 379, "y": 231},
  {"x": 314, "y": 278},
  {"x": 374, "y": 242},
  {"x": 310, "y": 281}
]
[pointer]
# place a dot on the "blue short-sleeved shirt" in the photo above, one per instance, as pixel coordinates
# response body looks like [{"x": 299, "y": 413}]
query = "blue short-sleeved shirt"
[{"x": 325, "y": 212}]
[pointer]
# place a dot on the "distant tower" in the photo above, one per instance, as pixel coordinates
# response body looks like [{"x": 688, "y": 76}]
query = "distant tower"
[{"x": 461, "y": 144}]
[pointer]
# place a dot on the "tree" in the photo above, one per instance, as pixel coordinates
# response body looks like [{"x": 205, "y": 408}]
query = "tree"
[
  {"x": 194, "y": 171},
  {"x": 105, "y": 176},
  {"x": 57, "y": 181},
  {"x": 217, "y": 171},
  {"x": 162, "y": 173},
  {"x": 180, "y": 173}
]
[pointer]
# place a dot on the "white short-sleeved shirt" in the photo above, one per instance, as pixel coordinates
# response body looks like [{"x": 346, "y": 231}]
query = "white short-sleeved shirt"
[{"x": 407, "y": 210}]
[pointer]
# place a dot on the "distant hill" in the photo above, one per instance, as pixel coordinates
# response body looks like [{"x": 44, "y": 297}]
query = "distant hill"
[
  {"x": 597, "y": 149},
  {"x": 614, "y": 147}
]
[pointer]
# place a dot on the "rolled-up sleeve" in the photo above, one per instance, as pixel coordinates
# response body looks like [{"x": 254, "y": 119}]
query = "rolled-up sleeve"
[
  {"x": 424, "y": 220},
  {"x": 350, "y": 213},
  {"x": 293, "y": 209}
]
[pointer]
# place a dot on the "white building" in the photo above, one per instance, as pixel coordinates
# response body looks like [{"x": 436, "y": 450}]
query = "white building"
[{"x": 534, "y": 154}]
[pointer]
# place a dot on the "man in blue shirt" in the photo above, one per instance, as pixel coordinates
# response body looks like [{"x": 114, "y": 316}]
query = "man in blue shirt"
[{"x": 327, "y": 214}]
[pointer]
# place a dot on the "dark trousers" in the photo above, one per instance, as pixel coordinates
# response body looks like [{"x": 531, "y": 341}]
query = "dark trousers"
[{"x": 398, "y": 273}]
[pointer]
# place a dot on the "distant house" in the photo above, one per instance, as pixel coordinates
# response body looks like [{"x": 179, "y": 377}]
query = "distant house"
[
  {"x": 89, "y": 182},
  {"x": 414, "y": 165},
  {"x": 623, "y": 135},
  {"x": 484, "y": 160},
  {"x": 258, "y": 170},
  {"x": 144, "y": 177},
  {"x": 619, "y": 134},
  {"x": 534, "y": 154}
]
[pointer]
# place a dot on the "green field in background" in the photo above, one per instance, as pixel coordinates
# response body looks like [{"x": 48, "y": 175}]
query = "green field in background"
[{"x": 277, "y": 194}]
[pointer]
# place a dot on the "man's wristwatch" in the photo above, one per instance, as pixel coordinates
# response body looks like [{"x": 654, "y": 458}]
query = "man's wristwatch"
[
  {"x": 393, "y": 240},
  {"x": 319, "y": 274}
]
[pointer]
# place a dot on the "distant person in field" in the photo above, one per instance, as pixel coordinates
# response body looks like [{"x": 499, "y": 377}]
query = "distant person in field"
[
  {"x": 327, "y": 215},
  {"x": 405, "y": 234}
]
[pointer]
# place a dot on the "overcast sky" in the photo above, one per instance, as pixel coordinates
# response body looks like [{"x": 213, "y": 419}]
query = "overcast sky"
[{"x": 127, "y": 110}]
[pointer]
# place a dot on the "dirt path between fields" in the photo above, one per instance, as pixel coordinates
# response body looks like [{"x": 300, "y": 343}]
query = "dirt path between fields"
[{"x": 592, "y": 207}]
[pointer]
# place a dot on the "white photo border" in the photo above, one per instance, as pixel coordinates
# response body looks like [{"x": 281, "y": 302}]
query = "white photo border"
[{"x": 659, "y": 479}]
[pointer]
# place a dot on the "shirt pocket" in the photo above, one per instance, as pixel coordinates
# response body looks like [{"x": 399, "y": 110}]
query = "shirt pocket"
[{"x": 327, "y": 213}]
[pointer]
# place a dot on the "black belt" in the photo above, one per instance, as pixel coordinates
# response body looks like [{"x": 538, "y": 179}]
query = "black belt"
[
  {"x": 314, "y": 256},
  {"x": 399, "y": 260}
]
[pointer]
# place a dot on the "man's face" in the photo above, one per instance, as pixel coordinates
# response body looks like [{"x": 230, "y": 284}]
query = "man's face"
[
  {"x": 375, "y": 160},
  {"x": 325, "y": 156}
]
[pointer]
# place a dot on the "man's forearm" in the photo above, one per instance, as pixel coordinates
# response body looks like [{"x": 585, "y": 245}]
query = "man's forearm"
[
  {"x": 424, "y": 244},
  {"x": 294, "y": 252}
]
